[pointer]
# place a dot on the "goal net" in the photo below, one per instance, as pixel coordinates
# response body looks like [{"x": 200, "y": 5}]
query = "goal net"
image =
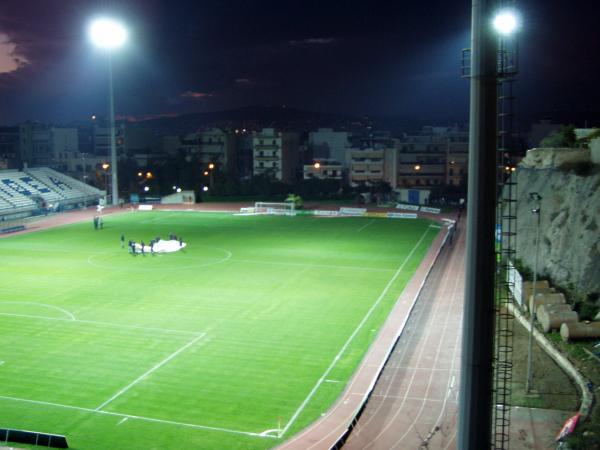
[{"x": 274, "y": 208}]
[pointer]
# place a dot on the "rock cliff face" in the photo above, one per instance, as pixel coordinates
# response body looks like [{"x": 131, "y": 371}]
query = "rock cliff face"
[{"x": 569, "y": 250}]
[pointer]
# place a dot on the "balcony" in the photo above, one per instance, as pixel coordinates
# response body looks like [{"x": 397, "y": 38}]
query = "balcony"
[{"x": 267, "y": 157}]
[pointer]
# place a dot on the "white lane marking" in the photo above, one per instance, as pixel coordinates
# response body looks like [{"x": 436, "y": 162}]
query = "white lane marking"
[
  {"x": 93, "y": 322},
  {"x": 330, "y": 266},
  {"x": 130, "y": 416},
  {"x": 45, "y": 305},
  {"x": 354, "y": 333},
  {"x": 365, "y": 225},
  {"x": 148, "y": 372}
]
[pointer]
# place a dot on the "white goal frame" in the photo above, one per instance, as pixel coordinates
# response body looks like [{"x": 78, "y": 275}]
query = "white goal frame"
[{"x": 283, "y": 208}]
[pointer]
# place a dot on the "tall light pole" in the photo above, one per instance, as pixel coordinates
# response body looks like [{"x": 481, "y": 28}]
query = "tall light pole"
[
  {"x": 109, "y": 35},
  {"x": 537, "y": 211},
  {"x": 475, "y": 393}
]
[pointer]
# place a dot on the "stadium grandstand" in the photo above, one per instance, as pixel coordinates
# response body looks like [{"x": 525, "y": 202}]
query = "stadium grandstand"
[{"x": 40, "y": 190}]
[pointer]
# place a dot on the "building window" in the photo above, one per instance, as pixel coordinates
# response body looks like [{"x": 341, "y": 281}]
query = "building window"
[{"x": 261, "y": 164}]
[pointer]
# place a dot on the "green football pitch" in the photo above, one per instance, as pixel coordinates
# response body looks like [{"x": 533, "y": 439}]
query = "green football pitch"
[{"x": 237, "y": 342}]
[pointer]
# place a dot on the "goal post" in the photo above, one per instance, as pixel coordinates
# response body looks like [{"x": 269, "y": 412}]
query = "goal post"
[{"x": 283, "y": 208}]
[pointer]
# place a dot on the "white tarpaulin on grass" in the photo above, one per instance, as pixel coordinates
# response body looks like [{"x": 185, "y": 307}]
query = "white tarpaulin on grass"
[{"x": 161, "y": 246}]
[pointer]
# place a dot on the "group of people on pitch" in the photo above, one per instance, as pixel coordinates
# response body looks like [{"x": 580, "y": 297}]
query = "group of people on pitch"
[{"x": 135, "y": 248}]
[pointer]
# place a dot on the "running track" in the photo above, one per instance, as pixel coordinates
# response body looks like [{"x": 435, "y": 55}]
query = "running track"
[{"x": 414, "y": 403}]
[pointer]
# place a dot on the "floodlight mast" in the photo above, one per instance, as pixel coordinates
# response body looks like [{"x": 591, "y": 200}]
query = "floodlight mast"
[
  {"x": 109, "y": 35},
  {"x": 475, "y": 403}
]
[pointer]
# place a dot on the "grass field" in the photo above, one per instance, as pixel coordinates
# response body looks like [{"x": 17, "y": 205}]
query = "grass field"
[{"x": 238, "y": 342}]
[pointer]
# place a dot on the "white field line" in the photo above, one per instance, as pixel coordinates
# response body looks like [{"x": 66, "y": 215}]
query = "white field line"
[
  {"x": 365, "y": 225},
  {"x": 158, "y": 218},
  {"x": 130, "y": 416},
  {"x": 354, "y": 333},
  {"x": 149, "y": 371},
  {"x": 93, "y": 322},
  {"x": 45, "y": 305},
  {"x": 329, "y": 266}
]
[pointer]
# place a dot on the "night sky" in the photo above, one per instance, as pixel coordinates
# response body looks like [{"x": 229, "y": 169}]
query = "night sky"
[{"x": 382, "y": 58}]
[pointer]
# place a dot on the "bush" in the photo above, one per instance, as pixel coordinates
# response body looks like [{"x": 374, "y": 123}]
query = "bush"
[
  {"x": 564, "y": 137},
  {"x": 579, "y": 168},
  {"x": 588, "y": 310}
]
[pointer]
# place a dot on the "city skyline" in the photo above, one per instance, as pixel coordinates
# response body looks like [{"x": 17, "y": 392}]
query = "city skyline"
[{"x": 186, "y": 57}]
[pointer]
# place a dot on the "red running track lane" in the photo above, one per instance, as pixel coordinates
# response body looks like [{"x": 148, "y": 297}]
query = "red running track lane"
[
  {"x": 414, "y": 404},
  {"x": 325, "y": 432}
]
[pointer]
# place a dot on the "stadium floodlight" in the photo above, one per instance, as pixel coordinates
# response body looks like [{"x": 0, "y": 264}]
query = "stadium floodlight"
[
  {"x": 107, "y": 33},
  {"x": 506, "y": 22}
]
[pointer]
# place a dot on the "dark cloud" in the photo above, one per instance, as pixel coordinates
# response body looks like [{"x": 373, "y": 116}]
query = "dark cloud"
[
  {"x": 198, "y": 95},
  {"x": 313, "y": 41},
  {"x": 377, "y": 57}
]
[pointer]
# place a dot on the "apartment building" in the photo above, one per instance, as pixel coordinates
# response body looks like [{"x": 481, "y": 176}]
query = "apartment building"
[
  {"x": 323, "y": 169},
  {"x": 433, "y": 156},
  {"x": 275, "y": 153},
  {"x": 327, "y": 144}
]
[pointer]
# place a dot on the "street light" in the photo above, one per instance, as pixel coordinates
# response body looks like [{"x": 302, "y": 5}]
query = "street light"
[
  {"x": 109, "y": 35},
  {"x": 536, "y": 212}
]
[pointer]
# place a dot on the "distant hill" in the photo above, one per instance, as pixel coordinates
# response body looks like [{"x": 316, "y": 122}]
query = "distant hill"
[{"x": 251, "y": 118}]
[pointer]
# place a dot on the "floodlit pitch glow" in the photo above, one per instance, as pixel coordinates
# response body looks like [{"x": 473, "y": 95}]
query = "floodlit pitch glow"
[
  {"x": 505, "y": 22},
  {"x": 107, "y": 33}
]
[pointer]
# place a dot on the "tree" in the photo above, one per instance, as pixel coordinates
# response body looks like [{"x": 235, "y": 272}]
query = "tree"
[{"x": 563, "y": 137}]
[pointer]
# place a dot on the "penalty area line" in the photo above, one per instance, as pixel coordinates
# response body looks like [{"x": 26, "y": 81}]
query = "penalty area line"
[
  {"x": 131, "y": 416},
  {"x": 349, "y": 340},
  {"x": 149, "y": 371}
]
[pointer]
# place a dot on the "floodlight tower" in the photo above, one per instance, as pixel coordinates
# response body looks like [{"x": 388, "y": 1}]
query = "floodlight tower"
[
  {"x": 506, "y": 24},
  {"x": 478, "y": 352},
  {"x": 110, "y": 35}
]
